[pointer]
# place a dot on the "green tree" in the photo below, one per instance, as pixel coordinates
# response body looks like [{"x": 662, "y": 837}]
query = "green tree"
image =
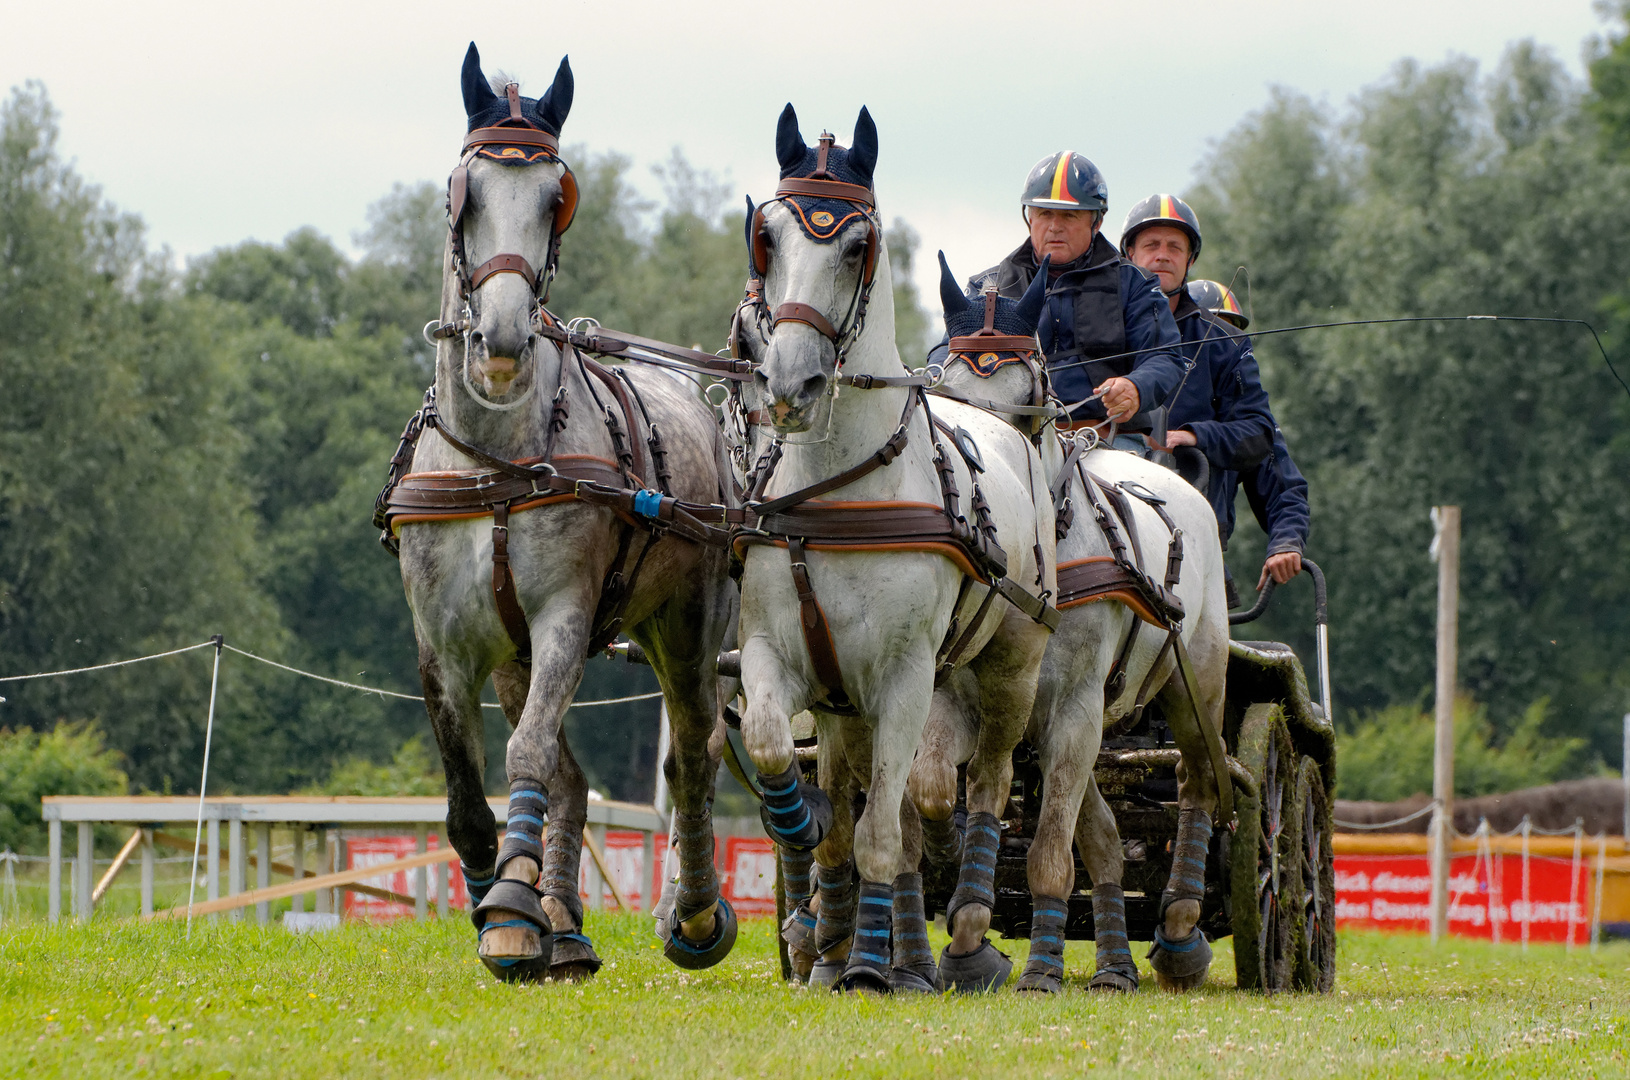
[
  {"x": 69, "y": 760},
  {"x": 1440, "y": 194}
]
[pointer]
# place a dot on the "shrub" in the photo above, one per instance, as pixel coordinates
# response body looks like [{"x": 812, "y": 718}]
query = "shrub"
[
  {"x": 410, "y": 772},
  {"x": 1387, "y": 755},
  {"x": 70, "y": 760}
]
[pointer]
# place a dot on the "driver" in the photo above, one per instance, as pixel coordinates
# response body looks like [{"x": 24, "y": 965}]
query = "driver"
[
  {"x": 1275, "y": 489},
  {"x": 1106, "y": 328}
]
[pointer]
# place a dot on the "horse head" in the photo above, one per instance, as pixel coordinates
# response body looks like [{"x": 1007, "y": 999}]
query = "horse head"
[
  {"x": 508, "y": 201},
  {"x": 817, "y": 249},
  {"x": 993, "y": 352}
]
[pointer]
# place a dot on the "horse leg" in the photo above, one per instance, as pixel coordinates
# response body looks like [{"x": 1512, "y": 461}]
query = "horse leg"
[
  {"x": 949, "y": 739},
  {"x": 913, "y": 961},
  {"x": 1181, "y": 955},
  {"x": 514, "y": 903},
  {"x": 898, "y": 712},
  {"x": 682, "y": 639},
  {"x": 1099, "y": 840},
  {"x": 797, "y": 815},
  {"x": 1068, "y": 736},
  {"x": 834, "y": 858},
  {"x": 1006, "y": 670},
  {"x": 455, "y": 718}
]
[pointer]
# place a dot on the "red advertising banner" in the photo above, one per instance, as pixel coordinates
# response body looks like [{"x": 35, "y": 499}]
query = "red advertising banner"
[
  {"x": 1487, "y": 898},
  {"x": 749, "y": 874},
  {"x": 364, "y": 851},
  {"x": 746, "y": 873}
]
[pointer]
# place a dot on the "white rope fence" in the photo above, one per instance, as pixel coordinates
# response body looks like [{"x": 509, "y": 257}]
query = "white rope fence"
[
  {"x": 1405, "y": 820},
  {"x": 299, "y": 671}
]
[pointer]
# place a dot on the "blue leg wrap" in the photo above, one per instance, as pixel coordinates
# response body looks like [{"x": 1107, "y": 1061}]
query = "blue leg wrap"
[
  {"x": 1116, "y": 968},
  {"x": 837, "y": 916},
  {"x": 1188, "y": 877},
  {"x": 797, "y": 876},
  {"x": 475, "y": 884},
  {"x": 698, "y": 879},
  {"x": 977, "y": 882},
  {"x": 872, "y": 956},
  {"x": 795, "y": 814},
  {"x": 523, "y": 833},
  {"x": 1044, "y": 971}
]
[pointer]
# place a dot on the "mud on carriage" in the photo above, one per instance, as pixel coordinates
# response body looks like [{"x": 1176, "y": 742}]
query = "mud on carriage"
[{"x": 974, "y": 650}]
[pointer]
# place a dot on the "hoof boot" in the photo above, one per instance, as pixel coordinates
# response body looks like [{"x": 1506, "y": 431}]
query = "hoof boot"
[
  {"x": 1115, "y": 980},
  {"x": 1180, "y": 964},
  {"x": 696, "y": 955},
  {"x": 915, "y": 979},
  {"x": 981, "y": 971}
]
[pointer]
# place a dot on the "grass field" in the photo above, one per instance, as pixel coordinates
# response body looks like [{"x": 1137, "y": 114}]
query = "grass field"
[{"x": 410, "y": 1000}]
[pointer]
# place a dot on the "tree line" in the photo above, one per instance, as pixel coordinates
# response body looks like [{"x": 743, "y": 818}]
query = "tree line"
[{"x": 192, "y": 451}]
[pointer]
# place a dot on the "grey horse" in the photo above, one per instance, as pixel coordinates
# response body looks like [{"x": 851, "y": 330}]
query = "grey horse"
[{"x": 505, "y": 392}]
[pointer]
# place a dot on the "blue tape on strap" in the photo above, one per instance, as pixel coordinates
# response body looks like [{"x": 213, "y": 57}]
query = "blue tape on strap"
[{"x": 647, "y": 503}]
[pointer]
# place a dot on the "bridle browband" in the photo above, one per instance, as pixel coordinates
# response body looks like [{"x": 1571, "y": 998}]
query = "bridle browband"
[
  {"x": 515, "y": 130},
  {"x": 819, "y": 184}
]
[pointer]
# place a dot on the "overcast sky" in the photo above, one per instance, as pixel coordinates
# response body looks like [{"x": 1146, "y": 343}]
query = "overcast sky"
[{"x": 219, "y": 122}]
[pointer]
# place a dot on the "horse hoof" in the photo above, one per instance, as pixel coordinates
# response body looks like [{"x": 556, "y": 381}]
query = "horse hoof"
[
  {"x": 805, "y": 824},
  {"x": 981, "y": 971},
  {"x": 1039, "y": 981},
  {"x": 696, "y": 955},
  {"x": 1115, "y": 980},
  {"x": 916, "y": 979},
  {"x": 505, "y": 943},
  {"x": 574, "y": 959},
  {"x": 823, "y": 974},
  {"x": 863, "y": 978},
  {"x": 1182, "y": 964}
]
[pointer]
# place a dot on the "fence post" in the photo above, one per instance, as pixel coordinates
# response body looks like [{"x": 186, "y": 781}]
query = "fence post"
[
  {"x": 82, "y": 874},
  {"x": 236, "y": 862},
  {"x": 53, "y": 901},
  {"x": 146, "y": 871},
  {"x": 597, "y": 884},
  {"x": 1446, "y": 550},
  {"x": 1527, "y": 898},
  {"x": 212, "y": 853},
  {"x": 1596, "y": 908},
  {"x": 421, "y": 876},
  {"x": 263, "y": 868},
  {"x": 442, "y": 883}
]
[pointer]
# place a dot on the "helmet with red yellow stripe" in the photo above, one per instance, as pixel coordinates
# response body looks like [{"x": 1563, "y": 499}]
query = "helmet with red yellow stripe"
[
  {"x": 1066, "y": 181},
  {"x": 1162, "y": 210}
]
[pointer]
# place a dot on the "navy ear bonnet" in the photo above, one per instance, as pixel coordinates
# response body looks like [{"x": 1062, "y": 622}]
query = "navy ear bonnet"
[
  {"x": 484, "y": 108},
  {"x": 823, "y": 219},
  {"x": 966, "y": 315}
]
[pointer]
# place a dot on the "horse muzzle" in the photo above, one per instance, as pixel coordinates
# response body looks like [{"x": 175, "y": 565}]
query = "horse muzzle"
[{"x": 792, "y": 386}]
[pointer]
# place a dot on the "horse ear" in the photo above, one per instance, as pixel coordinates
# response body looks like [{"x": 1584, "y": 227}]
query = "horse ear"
[
  {"x": 863, "y": 154},
  {"x": 1028, "y": 310},
  {"x": 747, "y": 231},
  {"x": 556, "y": 101},
  {"x": 478, "y": 95},
  {"x": 789, "y": 141},
  {"x": 951, "y": 296}
]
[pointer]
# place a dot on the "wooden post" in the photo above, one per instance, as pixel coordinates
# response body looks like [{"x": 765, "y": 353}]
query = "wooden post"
[
  {"x": 82, "y": 874},
  {"x": 322, "y": 863},
  {"x": 263, "y": 869},
  {"x": 147, "y": 871},
  {"x": 1624, "y": 770},
  {"x": 648, "y": 861},
  {"x": 442, "y": 885},
  {"x": 53, "y": 900},
  {"x": 236, "y": 862},
  {"x": 212, "y": 860},
  {"x": 659, "y": 795},
  {"x": 421, "y": 876},
  {"x": 1446, "y": 549},
  {"x": 596, "y": 834},
  {"x": 298, "y": 904}
]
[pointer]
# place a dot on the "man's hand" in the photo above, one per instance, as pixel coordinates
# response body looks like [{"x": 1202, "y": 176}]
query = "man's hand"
[
  {"x": 1281, "y": 567},
  {"x": 1174, "y": 439},
  {"x": 1120, "y": 398}
]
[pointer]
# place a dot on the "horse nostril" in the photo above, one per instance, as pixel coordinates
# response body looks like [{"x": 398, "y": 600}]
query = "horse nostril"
[
  {"x": 476, "y": 337},
  {"x": 813, "y": 386}
]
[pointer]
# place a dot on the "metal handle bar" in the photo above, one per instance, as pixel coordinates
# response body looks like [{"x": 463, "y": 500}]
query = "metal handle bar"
[{"x": 1321, "y": 624}]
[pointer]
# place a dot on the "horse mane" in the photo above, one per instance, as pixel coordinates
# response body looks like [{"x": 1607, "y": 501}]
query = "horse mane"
[{"x": 501, "y": 79}]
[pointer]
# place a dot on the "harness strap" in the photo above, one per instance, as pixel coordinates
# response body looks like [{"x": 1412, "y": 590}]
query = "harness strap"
[
  {"x": 823, "y": 652},
  {"x": 891, "y": 449},
  {"x": 503, "y": 587}
]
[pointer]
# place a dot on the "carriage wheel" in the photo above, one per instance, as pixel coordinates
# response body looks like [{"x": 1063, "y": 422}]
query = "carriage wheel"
[
  {"x": 1267, "y": 888},
  {"x": 1316, "y": 952}
]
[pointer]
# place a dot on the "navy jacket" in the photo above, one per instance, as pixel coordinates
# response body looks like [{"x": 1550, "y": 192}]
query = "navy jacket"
[
  {"x": 1099, "y": 308},
  {"x": 1220, "y": 400},
  {"x": 1277, "y": 493}
]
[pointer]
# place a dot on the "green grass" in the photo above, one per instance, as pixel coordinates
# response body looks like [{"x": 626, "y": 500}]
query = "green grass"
[{"x": 124, "y": 999}]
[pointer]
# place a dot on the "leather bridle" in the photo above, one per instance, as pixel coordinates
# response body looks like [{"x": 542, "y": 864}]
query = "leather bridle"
[
  {"x": 515, "y": 130},
  {"x": 820, "y": 184}
]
